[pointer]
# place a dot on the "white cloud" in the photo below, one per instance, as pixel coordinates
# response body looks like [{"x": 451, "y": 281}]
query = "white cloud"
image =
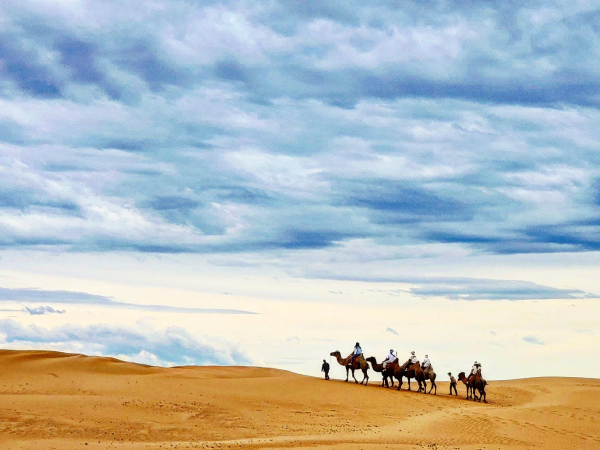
[{"x": 142, "y": 343}]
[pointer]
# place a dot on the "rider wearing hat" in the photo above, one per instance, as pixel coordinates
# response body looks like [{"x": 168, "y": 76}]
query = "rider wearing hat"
[
  {"x": 476, "y": 368},
  {"x": 389, "y": 359}
]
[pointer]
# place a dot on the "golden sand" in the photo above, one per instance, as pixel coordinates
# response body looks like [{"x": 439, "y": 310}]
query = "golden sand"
[{"x": 52, "y": 400}]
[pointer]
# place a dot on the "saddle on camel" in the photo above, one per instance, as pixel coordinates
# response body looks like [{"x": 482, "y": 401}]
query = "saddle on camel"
[
  {"x": 412, "y": 370},
  {"x": 478, "y": 385},
  {"x": 385, "y": 372},
  {"x": 353, "y": 363},
  {"x": 429, "y": 373},
  {"x": 475, "y": 383}
]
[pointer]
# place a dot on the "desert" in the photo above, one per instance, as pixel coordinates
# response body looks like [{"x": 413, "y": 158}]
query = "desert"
[{"x": 51, "y": 400}]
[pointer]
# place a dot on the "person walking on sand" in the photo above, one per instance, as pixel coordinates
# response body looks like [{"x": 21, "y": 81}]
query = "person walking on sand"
[
  {"x": 452, "y": 384},
  {"x": 325, "y": 368}
]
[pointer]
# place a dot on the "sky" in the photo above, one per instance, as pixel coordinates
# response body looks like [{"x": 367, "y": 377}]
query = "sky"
[{"x": 262, "y": 183}]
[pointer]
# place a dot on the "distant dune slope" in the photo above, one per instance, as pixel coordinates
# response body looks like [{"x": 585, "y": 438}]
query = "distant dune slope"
[{"x": 64, "y": 401}]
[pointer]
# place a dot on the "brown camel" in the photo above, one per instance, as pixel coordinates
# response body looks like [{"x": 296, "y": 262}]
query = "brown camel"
[
  {"x": 358, "y": 363},
  {"x": 410, "y": 370},
  {"x": 478, "y": 384},
  {"x": 465, "y": 380},
  {"x": 430, "y": 375},
  {"x": 378, "y": 367},
  {"x": 394, "y": 370}
]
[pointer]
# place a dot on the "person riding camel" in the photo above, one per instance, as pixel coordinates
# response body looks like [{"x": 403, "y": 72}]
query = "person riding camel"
[
  {"x": 476, "y": 368},
  {"x": 389, "y": 359},
  {"x": 413, "y": 358},
  {"x": 355, "y": 353},
  {"x": 426, "y": 363}
]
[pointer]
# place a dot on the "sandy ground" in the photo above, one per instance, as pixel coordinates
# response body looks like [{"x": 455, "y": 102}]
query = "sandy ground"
[{"x": 60, "y": 401}]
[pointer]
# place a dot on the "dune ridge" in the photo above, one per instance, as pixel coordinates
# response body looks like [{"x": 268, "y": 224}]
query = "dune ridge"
[{"x": 66, "y": 401}]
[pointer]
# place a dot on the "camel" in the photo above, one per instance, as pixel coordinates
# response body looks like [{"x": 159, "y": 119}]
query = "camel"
[
  {"x": 359, "y": 363},
  {"x": 378, "y": 367},
  {"x": 478, "y": 384},
  {"x": 410, "y": 370},
  {"x": 429, "y": 374},
  {"x": 394, "y": 370},
  {"x": 465, "y": 380}
]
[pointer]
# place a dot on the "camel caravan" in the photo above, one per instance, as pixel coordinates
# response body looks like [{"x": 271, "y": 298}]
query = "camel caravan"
[{"x": 391, "y": 369}]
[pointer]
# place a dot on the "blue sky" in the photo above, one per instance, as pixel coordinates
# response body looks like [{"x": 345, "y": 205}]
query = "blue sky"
[{"x": 321, "y": 141}]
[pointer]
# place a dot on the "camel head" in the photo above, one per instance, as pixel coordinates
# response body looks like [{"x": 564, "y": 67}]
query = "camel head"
[
  {"x": 336, "y": 353},
  {"x": 372, "y": 360},
  {"x": 461, "y": 375}
]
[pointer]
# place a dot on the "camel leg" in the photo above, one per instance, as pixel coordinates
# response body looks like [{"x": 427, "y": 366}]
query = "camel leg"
[
  {"x": 484, "y": 397},
  {"x": 355, "y": 380},
  {"x": 408, "y": 383},
  {"x": 365, "y": 378},
  {"x": 347, "y": 369},
  {"x": 399, "y": 383},
  {"x": 433, "y": 385}
]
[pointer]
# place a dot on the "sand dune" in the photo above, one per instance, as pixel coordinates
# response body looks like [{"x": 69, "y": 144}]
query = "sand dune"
[{"x": 54, "y": 400}]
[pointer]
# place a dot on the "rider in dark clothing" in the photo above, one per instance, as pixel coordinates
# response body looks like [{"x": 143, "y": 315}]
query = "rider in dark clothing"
[{"x": 325, "y": 368}]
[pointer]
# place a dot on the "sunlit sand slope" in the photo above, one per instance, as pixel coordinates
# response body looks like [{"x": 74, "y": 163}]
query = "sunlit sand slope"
[{"x": 60, "y": 401}]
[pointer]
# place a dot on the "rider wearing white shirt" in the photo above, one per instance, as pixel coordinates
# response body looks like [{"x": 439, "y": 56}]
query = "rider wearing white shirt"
[
  {"x": 389, "y": 359},
  {"x": 413, "y": 358},
  {"x": 426, "y": 363}
]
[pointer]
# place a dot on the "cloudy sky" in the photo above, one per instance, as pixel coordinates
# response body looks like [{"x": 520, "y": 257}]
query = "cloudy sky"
[{"x": 187, "y": 182}]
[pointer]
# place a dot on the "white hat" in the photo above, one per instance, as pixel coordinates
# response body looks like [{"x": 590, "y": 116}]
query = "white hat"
[{"x": 412, "y": 353}]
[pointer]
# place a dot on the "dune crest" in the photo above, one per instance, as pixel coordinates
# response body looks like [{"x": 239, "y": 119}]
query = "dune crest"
[{"x": 65, "y": 401}]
